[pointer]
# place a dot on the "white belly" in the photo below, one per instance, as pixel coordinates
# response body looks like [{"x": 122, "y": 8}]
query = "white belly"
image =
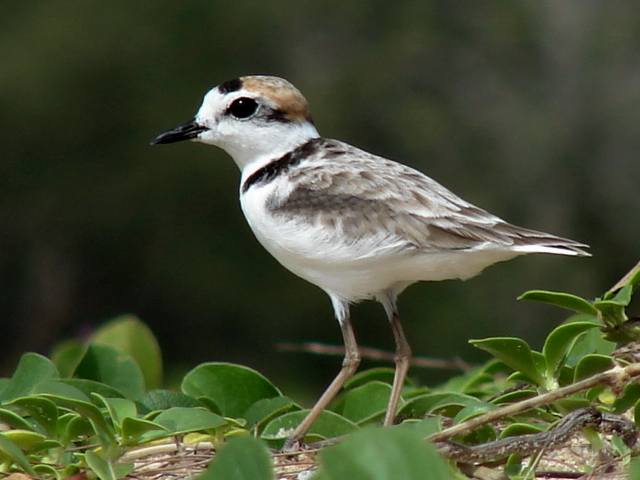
[{"x": 355, "y": 269}]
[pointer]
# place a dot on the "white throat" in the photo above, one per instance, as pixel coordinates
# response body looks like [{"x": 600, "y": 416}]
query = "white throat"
[{"x": 263, "y": 144}]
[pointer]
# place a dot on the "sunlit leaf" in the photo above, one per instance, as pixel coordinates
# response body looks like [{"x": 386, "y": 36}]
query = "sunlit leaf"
[{"x": 26, "y": 440}]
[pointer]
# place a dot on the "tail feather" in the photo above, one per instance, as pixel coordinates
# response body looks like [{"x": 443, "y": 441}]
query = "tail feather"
[{"x": 532, "y": 241}]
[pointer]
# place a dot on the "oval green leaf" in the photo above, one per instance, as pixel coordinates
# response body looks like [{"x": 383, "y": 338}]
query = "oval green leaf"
[
  {"x": 383, "y": 454},
  {"x": 115, "y": 368},
  {"x": 181, "y": 420},
  {"x": 32, "y": 370},
  {"x": 591, "y": 364},
  {"x": 327, "y": 425},
  {"x": 129, "y": 334},
  {"x": 363, "y": 403},
  {"x": 266, "y": 409},
  {"x": 233, "y": 388},
  {"x": 243, "y": 458}
]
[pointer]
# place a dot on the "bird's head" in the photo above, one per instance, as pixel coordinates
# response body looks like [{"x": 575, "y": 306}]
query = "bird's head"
[{"x": 250, "y": 117}]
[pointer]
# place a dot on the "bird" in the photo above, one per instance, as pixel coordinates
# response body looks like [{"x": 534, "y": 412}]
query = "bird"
[{"x": 357, "y": 225}]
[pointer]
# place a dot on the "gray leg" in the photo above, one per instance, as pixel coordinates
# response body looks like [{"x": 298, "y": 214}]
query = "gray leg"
[
  {"x": 349, "y": 366},
  {"x": 402, "y": 357}
]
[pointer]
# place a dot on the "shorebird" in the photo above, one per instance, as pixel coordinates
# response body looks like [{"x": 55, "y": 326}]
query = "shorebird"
[{"x": 357, "y": 225}]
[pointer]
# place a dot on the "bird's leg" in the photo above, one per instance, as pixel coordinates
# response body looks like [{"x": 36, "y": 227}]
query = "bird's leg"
[
  {"x": 349, "y": 366},
  {"x": 402, "y": 360}
]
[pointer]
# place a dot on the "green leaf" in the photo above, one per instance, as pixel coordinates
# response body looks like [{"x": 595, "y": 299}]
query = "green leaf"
[
  {"x": 381, "y": 374},
  {"x": 133, "y": 429},
  {"x": 472, "y": 411},
  {"x": 91, "y": 386},
  {"x": 31, "y": 371},
  {"x": 117, "y": 369},
  {"x": 519, "y": 428},
  {"x": 118, "y": 408},
  {"x": 243, "y": 458},
  {"x": 129, "y": 334},
  {"x": 560, "y": 299},
  {"x": 629, "y": 397},
  {"x": 101, "y": 467},
  {"x": 513, "y": 352},
  {"x": 327, "y": 425},
  {"x": 264, "y": 410},
  {"x": 181, "y": 420},
  {"x": 623, "y": 297},
  {"x": 164, "y": 399},
  {"x": 431, "y": 402},
  {"x": 559, "y": 342},
  {"x": 383, "y": 454},
  {"x": 591, "y": 364},
  {"x": 90, "y": 411},
  {"x": 634, "y": 469},
  {"x": 13, "y": 452},
  {"x": 60, "y": 388},
  {"x": 591, "y": 342},
  {"x": 363, "y": 403},
  {"x": 13, "y": 420},
  {"x": 43, "y": 411},
  {"x": 26, "y": 440},
  {"x": 425, "y": 426},
  {"x": 66, "y": 356},
  {"x": 512, "y": 397},
  {"x": 233, "y": 388},
  {"x": 611, "y": 312}
]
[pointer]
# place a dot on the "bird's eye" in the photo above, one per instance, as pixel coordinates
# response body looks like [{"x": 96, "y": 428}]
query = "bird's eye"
[{"x": 243, "y": 107}]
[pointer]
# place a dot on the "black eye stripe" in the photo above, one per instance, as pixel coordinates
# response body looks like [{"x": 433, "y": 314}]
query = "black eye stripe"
[{"x": 242, "y": 107}]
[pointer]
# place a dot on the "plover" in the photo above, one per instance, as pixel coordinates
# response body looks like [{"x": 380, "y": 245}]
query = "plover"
[{"x": 357, "y": 225}]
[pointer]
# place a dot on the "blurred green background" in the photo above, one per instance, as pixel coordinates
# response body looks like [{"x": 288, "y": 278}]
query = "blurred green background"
[{"x": 529, "y": 109}]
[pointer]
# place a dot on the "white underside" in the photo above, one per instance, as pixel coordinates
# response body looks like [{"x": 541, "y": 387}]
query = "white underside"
[{"x": 363, "y": 268}]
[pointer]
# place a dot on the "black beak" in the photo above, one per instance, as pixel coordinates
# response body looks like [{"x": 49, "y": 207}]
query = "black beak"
[{"x": 186, "y": 131}]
